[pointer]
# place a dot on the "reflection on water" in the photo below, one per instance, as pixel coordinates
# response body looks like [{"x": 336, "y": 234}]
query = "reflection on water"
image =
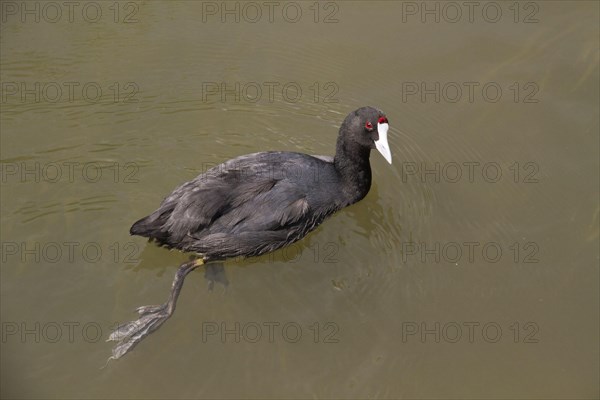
[{"x": 469, "y": 270}]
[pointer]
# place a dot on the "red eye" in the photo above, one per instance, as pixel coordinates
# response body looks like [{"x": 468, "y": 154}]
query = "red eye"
[
  {"x": 382, "y": 120},
  {"x": 369, "y": 125}
]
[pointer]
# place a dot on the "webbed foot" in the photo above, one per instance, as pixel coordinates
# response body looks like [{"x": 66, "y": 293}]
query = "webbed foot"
[
  {"x": 130, "y": 334},
  {"x": 151, "y": 317}
]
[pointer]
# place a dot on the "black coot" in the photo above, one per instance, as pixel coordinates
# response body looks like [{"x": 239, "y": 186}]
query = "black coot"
[{"x": 255, "y": 204}]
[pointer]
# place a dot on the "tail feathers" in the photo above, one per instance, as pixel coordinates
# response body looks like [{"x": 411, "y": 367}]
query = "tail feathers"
[
  {"x": 140, "y": 227},
  {"x": 150, "y": 227}
]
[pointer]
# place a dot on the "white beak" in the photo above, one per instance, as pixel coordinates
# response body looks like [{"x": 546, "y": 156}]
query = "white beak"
[{"x": 382, "y": 144}]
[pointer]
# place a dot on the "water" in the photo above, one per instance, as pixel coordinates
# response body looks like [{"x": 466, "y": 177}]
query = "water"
[{"x": 470, "y": 269}]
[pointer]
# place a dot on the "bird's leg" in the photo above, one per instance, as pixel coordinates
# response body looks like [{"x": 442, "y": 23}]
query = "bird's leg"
[
  {"x": 151, "y": 317},
  {"x": 215, "y": 272}
]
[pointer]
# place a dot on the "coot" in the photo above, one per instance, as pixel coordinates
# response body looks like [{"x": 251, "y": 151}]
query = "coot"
[{"x": 254, "y": 204}]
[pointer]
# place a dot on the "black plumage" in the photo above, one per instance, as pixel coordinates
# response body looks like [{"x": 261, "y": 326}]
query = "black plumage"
[
  {"x": 247, "y": 206},
  {"x": 259, "y": 202}
]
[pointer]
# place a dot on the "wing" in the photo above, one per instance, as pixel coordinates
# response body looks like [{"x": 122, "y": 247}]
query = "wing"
[{"x": 246, "y": 206}]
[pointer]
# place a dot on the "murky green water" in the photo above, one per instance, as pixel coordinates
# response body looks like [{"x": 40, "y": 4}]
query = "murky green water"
[{"x": 470, "y": 270}]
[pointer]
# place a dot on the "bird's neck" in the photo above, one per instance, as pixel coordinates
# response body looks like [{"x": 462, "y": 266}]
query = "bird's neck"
[{"x": 351, "y": 161}]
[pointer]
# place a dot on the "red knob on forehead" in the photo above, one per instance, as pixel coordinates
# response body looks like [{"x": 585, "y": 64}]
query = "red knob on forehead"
[{"x": 382, "y": 120}]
